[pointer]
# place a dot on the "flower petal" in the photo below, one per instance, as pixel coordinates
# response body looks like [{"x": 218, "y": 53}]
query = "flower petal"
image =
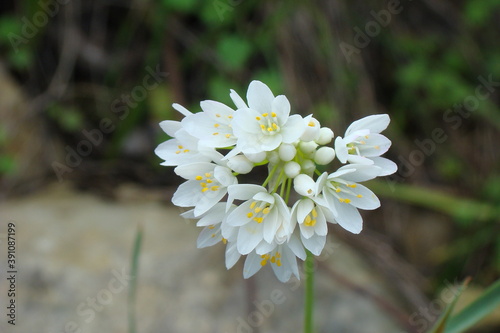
[
  {"x": 259, "y": 97},
  {"x": 375, "y": 123}
]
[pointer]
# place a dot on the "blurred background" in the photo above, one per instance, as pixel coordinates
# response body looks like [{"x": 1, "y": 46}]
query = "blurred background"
[{"x": 84, "y": 84}]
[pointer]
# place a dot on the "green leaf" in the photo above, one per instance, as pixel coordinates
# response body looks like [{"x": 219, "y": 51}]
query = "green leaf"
[
  {"x": 185, "y": 6},
  {"x": 234, "y": 51},
  {"x": 440, "y": 325},
  {"x": 134, "y": 272},
  {"x": 476, "y": 311}
]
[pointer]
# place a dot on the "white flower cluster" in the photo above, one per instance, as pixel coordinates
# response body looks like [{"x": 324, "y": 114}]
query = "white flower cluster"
[{"x": 212, "y": 147}]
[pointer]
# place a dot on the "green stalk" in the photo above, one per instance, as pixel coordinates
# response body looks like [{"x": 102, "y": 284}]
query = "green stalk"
[
  {"x": 309, "y": 293},
  {"x": 133, "y": 282}
]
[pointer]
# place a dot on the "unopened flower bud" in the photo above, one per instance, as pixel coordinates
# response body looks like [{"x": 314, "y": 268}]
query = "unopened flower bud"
[
  {"x": 304, "y": 185},
  {"x": 308, "y": 167},
  {"x": 311, "y": 130},
  {"x": 273, "y": 157},
  {"x": 287, "y": 152},
  {"x": 256, "y": 157},
  {"x": 240, "y": 164},
  {"x": 325, "y": 136},
  {"x": 308, "y": 147},
  {"x": 324, "y": 155},
  {"x": 292, "y": 169}
]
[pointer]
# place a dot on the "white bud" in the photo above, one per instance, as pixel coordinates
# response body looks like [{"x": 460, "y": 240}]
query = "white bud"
[
  {"x": 240, "y": 164},
  {"x": 325, "y": 136},
  {"x": 273, "y": 157},
  {"x": 308, "y": 147},
  {"x": 287, "y": 152},
  {"x": 292, "y": 169},
  {"x": 256, "y": 157},
  {"x": 324, "y": 155},
  {"x": 308, "y": 167},
  {"x": 311, "y": 129},
  {"x": 304, "y": 185}
]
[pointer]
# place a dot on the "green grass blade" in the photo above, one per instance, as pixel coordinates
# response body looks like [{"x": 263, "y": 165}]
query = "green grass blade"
[
  {"x": 476, "y": 311},
  {"x": 134, "y": 269},
  {"x": 440, "y": 325}
]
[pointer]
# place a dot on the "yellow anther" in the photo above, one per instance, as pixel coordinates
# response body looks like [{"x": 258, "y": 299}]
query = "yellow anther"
[
  {"x": 180, "y": 147},
  {"x": 352, "y": 186},
  {"x": 224, "y": 241},
  {"x": 209, "y": 180},
  {"x": 266, "y": 210},
  {"x": 213, "y": 235},
  {"x": 313, "y": 223},
  {"x": 359, "y": 196},
  {"x": 377, "y": 147},
  {"x": 250, "y": 215},
  {"x": 362, "y": 142},
  {"x": 273, "y": 259},
  {"x": 258, "y": 219},
  {"x": 215, "y": 133},
  {"x": 252, "y": 205},
  {"x": 203, "y": 184},
  {"x": 216, "y": 125},
  {"x": 278, "y": 255},
  {"x": 258, "y": 209},
  {"x": 199, "y": 178},
  {"x": 314, "y": 213},
  {"x": 275, "y": 126},
  {"x": 311, "y": 124},
  {"x": 278, "y": 263},
  {"x": 204, "y": 189},
  {"x": 211, "y": 226},
  {"x": 307, "y": 221},
  {"x": 265, "y": 114},
  {"x": 230, "y": 117},
  {"x": 217, "y": 115},
  {"x": 269, "y": 129},
  {"x": 338, "y": 190},
  {"x": 257, "y": 118},
  {"x": 341, "y": 200},
  {"x": 366, "y": 136},
  {"x": 207, "y": 174},
  {"x": 228, "y": 136},
  {"x": 178, "y": 152},
  {"x": 347, "y": 200},
  {"x": 273, "y": 114},
  {"x": 214, "y": 188},
  {"x": 309, "y": 191},
  {"x": 262, "y": 126},
  {"x": 263, "y": 262},
  {"x": 185, "y": 151}
]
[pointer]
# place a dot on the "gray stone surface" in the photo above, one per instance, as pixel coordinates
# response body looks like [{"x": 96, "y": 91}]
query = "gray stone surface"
[{"x": 71, "y": 247}]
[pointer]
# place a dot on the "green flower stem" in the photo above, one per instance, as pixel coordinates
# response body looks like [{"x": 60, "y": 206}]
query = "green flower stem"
[{"x": 309, "y": 293}]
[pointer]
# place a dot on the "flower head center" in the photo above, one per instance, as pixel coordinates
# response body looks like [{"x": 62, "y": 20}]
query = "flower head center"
[
  {"x": 258, "y": 211},
  {"x": 268, "y": 123},
  {"x": 207, "y": 182}
]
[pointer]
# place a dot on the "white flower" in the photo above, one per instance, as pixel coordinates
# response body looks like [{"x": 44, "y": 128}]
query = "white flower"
[
  {"x": 311, "y": 129},
  {"x": 343, "y": 195},
  {"x": 266, "y": 123},
  {"x": 213, "y": 125},
  {"x": 263, "y": 216},
  {"x": 183, "y": 149},
  {"x": 362, "y": 143},
  {"x": 282, "y": 258},
  {"x": 207, "y": 184},
  {"x": 312, "y": 223}
]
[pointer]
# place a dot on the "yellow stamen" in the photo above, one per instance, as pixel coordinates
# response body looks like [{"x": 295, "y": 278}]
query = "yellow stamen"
[
  {"x": 216, "y": 125},
  {"x": 377, "y": 147},
  {"x": 178, "y": 152},
  {"x": 230, "y": 117},
  {"x": 185, "y": 151},
  {"x": 359, "y": 196},
  {"x": 228, "y": 136},
  {"x": 203, "y": 184},
  {"x": 207, "y": 174},
  {"x": 265, "y": 114},
  {"x": 217, "y": 115},
  {"x": 204, "y": 189},
  {"x": 215, "y": 133},
  {"x": 258, "y": 219},
  {"x": 273, "y": 114},
  {"x": 266, "y": 210},
  {"x": 338, "y": 190},
  {"x": 211, "y": 226},
  {"x": 262, "y": 126},
  {"x": 273, "y": 259},
  {"x": 275, "y": 126},
  {"x": 199, "y": 178},
  {"x": 278, "y": 263},
  {"x": 224, "y": 241},
  {"x": 347, "y": 200},
  {"x": 180, "y": 147},
  {"x": 252, "y": 205},
  {"x": 249, "y": 215},
  {"x": 214, "y": 188},
  {"x": 310, "y": 124},
  {"x": 341, "y": 200},
  {"x": 307, "y": 221},
  {"x": 314, "y": 213},
  {"x": 257, "y": 118},
  {"x": 258, "y": 209},
  {"x": 263, "y": 262},
  {"x": 269, "y": 129},
  {"x": 352, "y": 186},
  {"x": 209, "y": 180}
]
